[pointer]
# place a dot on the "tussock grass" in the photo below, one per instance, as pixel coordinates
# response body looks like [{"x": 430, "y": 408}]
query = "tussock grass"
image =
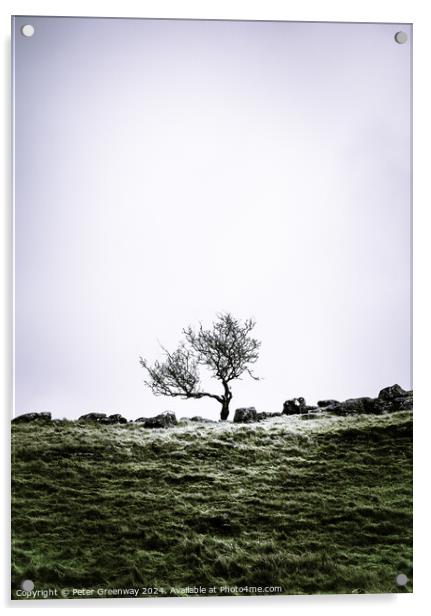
[{"x": 318, "y": 506}]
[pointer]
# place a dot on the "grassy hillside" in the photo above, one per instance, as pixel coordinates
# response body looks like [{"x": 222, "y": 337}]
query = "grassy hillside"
[{"x": 317, "y": 506}]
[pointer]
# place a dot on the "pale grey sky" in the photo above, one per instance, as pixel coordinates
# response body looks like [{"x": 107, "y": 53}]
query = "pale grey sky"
[{"x": 167, "y": 170}]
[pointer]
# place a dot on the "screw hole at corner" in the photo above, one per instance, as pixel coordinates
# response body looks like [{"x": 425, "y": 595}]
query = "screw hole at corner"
[
  {"x": 401, "y": 37},
  {"x": 27, "y": 30},
  {"x": 401, "y": 579}
]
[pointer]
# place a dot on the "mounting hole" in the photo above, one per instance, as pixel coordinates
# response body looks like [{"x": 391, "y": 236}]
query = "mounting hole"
[
  {"x": 401, "y": 579},
  {"x": 27, "y": 30},
  {"x": 401, "y": 37},
  {"x": 27, "y": 585}
]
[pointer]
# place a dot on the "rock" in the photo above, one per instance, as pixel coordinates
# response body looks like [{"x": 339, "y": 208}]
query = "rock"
[
  {"x": 28, "y": 417},
  {"x": 164, "y": 420},
  {"x": 360, "y": 405},
  {"x": 334, "y": 410},
  {"x": 245, "y": 415},
  {"x": 382, "y": 407},
  {"x": 118, "y": 418},
  {"x": 352, "y": 406},
  {"x": 390, "y": 399},
  {"x": 388, "y": 403},
  {"x": 392, "y": 392},
  {"x": 113, "y": 419},
  {"x": 202, "y": 419},
  {"x": 404, "y": 404},
  {"x": 323, "y": 403},
  {"x": 294, "y": 406},
  {"x": 92, "y": 417}
]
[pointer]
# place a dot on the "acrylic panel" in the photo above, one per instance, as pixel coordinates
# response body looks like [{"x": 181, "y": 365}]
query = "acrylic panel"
[{"x": 212, "y": 308}]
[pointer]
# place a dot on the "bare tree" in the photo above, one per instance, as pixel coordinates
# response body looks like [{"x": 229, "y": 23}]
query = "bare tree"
[{"x": 227, "y": 350}]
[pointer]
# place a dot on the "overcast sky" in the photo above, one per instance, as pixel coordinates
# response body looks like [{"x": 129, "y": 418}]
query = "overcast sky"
[{"x": 168, "y": 170}]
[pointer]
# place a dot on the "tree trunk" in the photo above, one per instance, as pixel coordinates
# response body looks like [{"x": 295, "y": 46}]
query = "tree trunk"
[
  {"x": 224, "y": 410},
  {"x": 225, "y": 401}
]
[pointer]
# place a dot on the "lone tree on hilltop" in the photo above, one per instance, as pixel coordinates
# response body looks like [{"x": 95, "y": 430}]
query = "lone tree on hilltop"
[{"x": 226, "y": 349}]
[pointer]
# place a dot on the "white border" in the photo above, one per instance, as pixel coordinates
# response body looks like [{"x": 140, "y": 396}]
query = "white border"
[{"x": 407, "y": 11}]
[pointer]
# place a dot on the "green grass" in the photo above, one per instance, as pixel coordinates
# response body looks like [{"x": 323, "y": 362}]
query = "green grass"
[{"x": 318, "y": 506}]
